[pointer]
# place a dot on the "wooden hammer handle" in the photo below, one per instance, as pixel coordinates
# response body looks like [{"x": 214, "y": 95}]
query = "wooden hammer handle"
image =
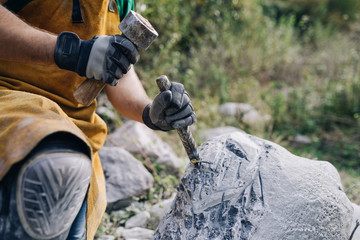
[{"x": 88, "y": 91}]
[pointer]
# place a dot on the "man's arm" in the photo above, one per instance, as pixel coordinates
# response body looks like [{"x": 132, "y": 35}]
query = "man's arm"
[
  {"x": 128, "y": 97},
  {"x": 169, "y": 110},
  {"x": 22, "y": 43}
]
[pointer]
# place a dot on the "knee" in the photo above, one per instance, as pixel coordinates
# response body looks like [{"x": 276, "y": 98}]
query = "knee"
[{"x": 50, "y": 188}]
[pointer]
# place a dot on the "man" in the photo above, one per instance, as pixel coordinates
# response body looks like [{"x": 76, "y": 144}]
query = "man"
[{"x": 50, "y": 171}]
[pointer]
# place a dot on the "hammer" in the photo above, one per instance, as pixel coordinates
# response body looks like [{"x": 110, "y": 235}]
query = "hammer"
[{"x": 135, "y": 28}]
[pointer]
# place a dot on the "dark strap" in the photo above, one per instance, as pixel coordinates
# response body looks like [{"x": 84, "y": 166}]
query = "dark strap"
[
  {"x": 16, "y": 5},
  {"x": 76, "y": 12}
]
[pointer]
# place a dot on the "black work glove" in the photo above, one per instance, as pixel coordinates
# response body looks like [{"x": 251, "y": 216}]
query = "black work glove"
[
  {"x": 103, "y": 58},
  {"x": 171, "y": 109}
]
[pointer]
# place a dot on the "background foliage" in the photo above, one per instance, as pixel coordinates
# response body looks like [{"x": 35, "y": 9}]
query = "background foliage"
[{"x": 297, "y": 61}]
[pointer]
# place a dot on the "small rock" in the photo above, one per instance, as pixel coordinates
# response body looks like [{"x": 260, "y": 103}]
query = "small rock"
[
  {"x": 356, "y": 217},
  {"x": 118, "y": 231},
  {"x": 135, "y": 233},
  {"x": 254, "y": 119},
  {"x": 301, "y": 139},
  {"x": 106, "y": 237},
  {"x": 137, "y": 138},
  {"x": 139, "y": 220},
  {"x": 160, "y": 209},
  {"x": 125, "y": 176},
  {"x": 233, "y": 109},
  {"x": 245, "y": 113},
  {"x": 105, "y": 112}
]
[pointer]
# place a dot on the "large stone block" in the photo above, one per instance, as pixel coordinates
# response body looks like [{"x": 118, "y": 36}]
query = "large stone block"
[
  {"x": 137, "y": 138},
  {"x": 125, "y": 176},
  {"x": 253, "y": 189}
]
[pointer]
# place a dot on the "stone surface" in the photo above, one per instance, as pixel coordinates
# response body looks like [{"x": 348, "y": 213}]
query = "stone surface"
[
  {"x": 215, "y": 132},
  {"x": 139, "y": 220},
  {"x": 125, "y": 176},
  {"x": 254, "y": 119},
  {"x": 233, "y": 109},
  {"x": 136, "y": 233},
  {"x": 354, "y": 227},
  {"x": 253, "y": 189},
  {"x": 302, "y": 140},
  {"x": 105, "y": 112},
  {"x": 136, "y": 138},
  {"x": 105, "y": 237},
  {"x": 245, "y": 113},
  {"x": 160, "y": 209}
]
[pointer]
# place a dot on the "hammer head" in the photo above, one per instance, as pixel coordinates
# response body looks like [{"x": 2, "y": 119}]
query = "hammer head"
[{"x": 138, "y": 30}]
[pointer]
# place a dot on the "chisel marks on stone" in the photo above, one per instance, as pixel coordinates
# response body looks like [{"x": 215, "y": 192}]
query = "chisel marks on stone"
[
  {"x": 261, "y": 189},
  {"x": 199, "y": 221},
  {"x": 225, "y": 166},
  {"x": 188, "y": 220},
  {"x": 221, "y": 209},
  {"x": 238, "y": 171},
  {"x": 232, "y": 215},
  {"x": 235, "y": 148},
  {"x": 218, "y": 159},
  {"x": 354, "y": 230}
]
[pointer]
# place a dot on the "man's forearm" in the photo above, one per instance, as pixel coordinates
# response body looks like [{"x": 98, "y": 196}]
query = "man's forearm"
[
  {"x": 128, "y": 97},
  {"x": 22, "y": 43}
]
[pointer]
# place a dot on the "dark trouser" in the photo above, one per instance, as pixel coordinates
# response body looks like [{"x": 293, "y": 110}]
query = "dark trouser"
[
  {"x": 43, "y": 196},
  {"x": 77, "y": 230}
]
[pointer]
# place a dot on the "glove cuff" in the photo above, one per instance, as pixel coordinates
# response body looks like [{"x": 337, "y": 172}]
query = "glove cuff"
[
  {"x": 67, "y": 50},
  {"x": 71, "y": 53},
  {"x": 147, "y": 120}
]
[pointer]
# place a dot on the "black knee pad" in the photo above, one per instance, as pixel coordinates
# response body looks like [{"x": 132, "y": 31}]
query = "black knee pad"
[{"x": 47, "y": 192}]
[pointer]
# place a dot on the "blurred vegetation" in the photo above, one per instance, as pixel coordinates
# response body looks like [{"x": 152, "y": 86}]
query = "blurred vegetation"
[
  {"x": 297, "y": 61},
  {"x": 310, "y": 12}
]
